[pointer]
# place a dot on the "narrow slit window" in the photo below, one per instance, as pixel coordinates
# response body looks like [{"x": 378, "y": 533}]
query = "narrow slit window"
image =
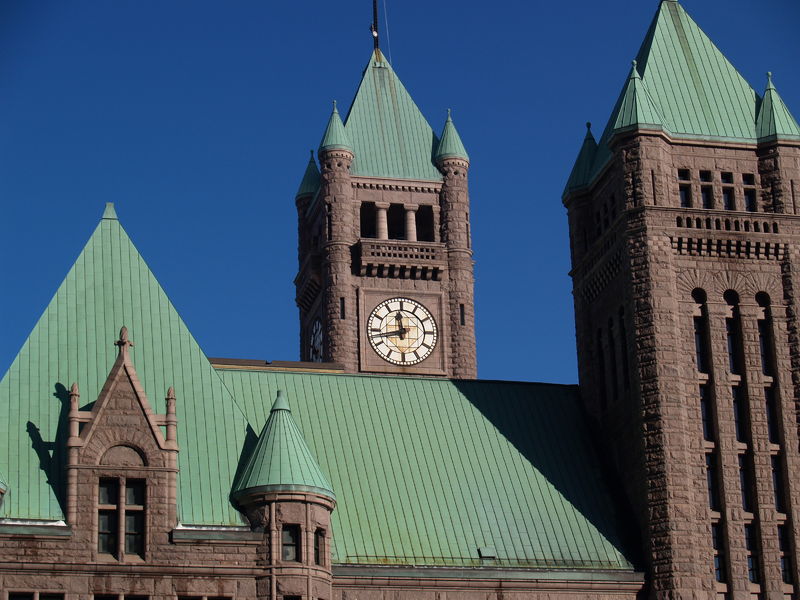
[
  {"x": 462, "y": 315},
  {"x": 720, "y": 568},
  {"x": 733, "y": 333},
  {"x": 728, "y": 199},
  {"x": 707, "y": 196},
  {"x": 712, "y": 481},
  {"x": 341, "y": 308},
  {"x": 772, "y": 415},
  {"x": 750, "y": 200},
  {"x": 751, "y": 545},
  {"x": 777, "y": 483},
  {"x": 746, "y": 481},
  {"x": 785, "y": 547},
  {"x": 685, "y": 192},
  {"x": 700, "y": 325},
  {"x": 319, "y": 546},
  {"x": 740, "y": 414},
  {"x": 766, "y": 344},
  {"x": 705, "y": 413}
]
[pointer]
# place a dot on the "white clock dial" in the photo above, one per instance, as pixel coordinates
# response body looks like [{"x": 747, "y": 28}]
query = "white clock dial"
[
  {"x": 401, "y": 331},
  {"x": 315, "y": 342}
]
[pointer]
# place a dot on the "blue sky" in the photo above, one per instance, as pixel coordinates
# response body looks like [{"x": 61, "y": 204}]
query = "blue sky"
[{"x": 195, "y": 118}]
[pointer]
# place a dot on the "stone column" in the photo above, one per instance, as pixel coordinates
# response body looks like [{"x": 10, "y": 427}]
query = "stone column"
[
  {"x": 381, "y": 225},
  {"x": 411, "y": 224}
]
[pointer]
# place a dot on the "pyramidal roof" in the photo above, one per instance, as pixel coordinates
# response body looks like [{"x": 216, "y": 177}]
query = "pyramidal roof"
[
  {"x": 281, "y": 460},
  {"x": 684, "y": 84},
  {"x": 450, "y": 145},
  {"x": 310, "y": 183},
  {"x": 108, "y": 286},
  {"x": 774, "y": 119},
  {"x": 389, "y": 135},
  {"x": 636, "y": 109}
]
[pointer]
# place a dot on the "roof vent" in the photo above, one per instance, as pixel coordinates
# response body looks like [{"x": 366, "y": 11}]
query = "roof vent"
[{"x": 487, "y": 552}]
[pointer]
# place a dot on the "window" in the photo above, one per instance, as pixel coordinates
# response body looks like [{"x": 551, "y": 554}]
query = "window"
[
  {"x": 746, "y": 481},
  {"x": 740, "y": 420},
  {"x": 290, "y": 543},
  {"x": 772, "y": 415},
  {"x": 705, "y": 413},
  {"x": 784, "y": 545},
  {"x": 396, "y": 222},
  {"x": 700, "y": 323},
  {"x": 707, "y": 196},
  {"x": 719, "y": 553},
  {"x": 319, "y": 546},
  {"x": 686, "y": 196},
  {"x": 777, "y": 483},
  {"x": 748, "y": 179},
  {"x": 425, "y": 228},
  {"x": 369, "y": 220},
  {"x": 726, "y": 177},
  {"x": 765, "y": 335},
  {"x": 115, "y": 508},
  {"x": 462, "y": 316},
  {"x": 705, "y": 176},
  {"x": 751, "y": 544},
  {"x": 750, "y": 200},
  {"x": 712, "y": 481},
  {"x": 728, "y": 199},
  {"x": 733, "y": 332},
  {"x": 684, "y": 174},
  {"x": 341, "y": 308}
]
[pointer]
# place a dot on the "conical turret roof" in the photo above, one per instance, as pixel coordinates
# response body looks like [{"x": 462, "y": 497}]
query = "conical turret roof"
[
  {"x": 582, "y": 169},
  {"x": 281, "y": 460},
  {"x": 450, "y": 145},
  {"x": 636, "y": 109},
  {"x": 774, "y": 119},
  {"x": 390, "y": 136},
  {"x": 335, "y": 137},
  {"x": 310, "y": 183}
]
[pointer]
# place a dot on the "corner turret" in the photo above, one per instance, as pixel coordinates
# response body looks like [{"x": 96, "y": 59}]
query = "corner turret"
[{"x": 286, "y": 496}]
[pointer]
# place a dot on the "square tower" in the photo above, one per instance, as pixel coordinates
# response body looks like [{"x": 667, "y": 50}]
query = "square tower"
[
  {"x": 385, "y": 281},
  {"x": 683, "y": 231}
]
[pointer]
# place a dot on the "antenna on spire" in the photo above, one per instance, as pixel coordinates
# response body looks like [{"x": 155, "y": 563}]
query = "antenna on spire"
[{"x": 374, "y": 27}]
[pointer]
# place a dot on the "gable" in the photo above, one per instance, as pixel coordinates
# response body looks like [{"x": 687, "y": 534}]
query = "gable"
[{"x": 109, "y": 286}]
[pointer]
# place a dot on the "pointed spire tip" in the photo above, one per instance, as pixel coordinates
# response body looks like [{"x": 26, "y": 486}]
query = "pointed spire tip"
[
  {"x": 280, "y": 402},
  {"x": 109, "y": 212}
]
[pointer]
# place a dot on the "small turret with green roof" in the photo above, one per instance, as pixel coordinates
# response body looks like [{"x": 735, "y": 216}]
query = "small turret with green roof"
[
  {"x": 582, "y": 170},
  {"x": 281, "y": 460},
  {"x": 450, "y": 145},
  {"x": 335, "y": 137},
  {"x": 310, "y": 183},
  {"x": 636, "y": 108},
  {"x": 774, "y": 119}
]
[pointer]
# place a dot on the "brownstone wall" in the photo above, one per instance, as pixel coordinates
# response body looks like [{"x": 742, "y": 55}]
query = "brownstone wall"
[{"x": 650, "y": 258}]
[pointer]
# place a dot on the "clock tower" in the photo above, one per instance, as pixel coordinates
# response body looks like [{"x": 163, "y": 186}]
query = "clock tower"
[{"x": 385, "y": 280}]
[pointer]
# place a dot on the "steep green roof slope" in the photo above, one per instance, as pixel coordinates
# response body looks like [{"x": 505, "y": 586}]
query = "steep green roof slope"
[
  {"x": 427, "y": 471},
  {"x": 774, "y": 119},
  {"x": 108, "y": 286},
  {"x": 689, "y": 89},
  {"x": 281, "y": 459},
  {"x": 696, "y": 89},
  {"x": 637, "y": 109},
  {"x": 310, "y": 183},
  {"x": 582, "y": 169},
  {"x": 389, "y": 135}
]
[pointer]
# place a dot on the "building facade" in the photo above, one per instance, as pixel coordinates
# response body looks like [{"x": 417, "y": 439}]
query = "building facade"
[
  {"x": 134, "y": 467},
  {"x": 683, "y": 231}
]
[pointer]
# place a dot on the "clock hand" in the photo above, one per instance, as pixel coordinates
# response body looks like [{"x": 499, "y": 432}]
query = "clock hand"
[
  {"x": 399, "y": 320},
  {"x": 391, "y": 333}
]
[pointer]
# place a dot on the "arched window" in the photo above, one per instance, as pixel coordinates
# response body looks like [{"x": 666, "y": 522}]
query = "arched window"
[{"x": 733, "y": 332}]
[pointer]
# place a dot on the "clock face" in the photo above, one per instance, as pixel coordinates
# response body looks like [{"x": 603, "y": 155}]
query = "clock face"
[
  {"x": 401, "y": 331},
  {"x": 315, "y": 342}
]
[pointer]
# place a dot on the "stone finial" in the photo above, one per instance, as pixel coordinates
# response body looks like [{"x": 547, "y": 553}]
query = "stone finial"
[
  {"x": 74, "y": 394},
  {"x": 73, "y": 391},
  {"x": 123, "y": 342},
  {"x": 171, "y": 420}
]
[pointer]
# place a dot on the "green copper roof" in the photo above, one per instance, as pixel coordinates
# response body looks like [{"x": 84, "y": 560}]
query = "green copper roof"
[
  {"x": 281, "y": 459},
  {"x": 335, "y": 137},
  {"x": 3, "y": 484},
  {"x": 689, "y": 89},
  {"x": 774, "y": 119},
  {"x": 426, "y": 471},
  {"x": 582, "y": 169},
  {"x": 390, "y": 136},
  {"x": 450, "y": 145},
  {"x": 636, "y": 109},
  {"x": 310, "y": 183},
  {"x": 696, "y": 89},
  {"x": 108, "y": 286}
]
